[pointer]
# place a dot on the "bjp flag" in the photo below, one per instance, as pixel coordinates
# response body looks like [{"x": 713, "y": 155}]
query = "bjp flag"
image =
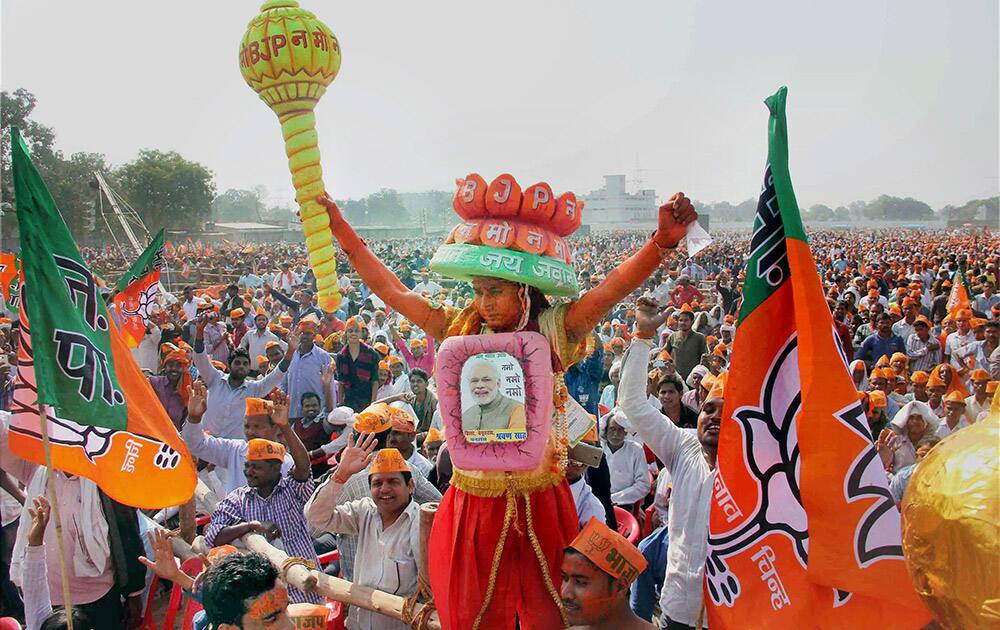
[
  {"x": 958, "y": 298},
  {"x": 137, "y": 289},
  {"x": 76, "y": 372},
  {"x": 8, "y": 274},
  {"x": 803, "y": 532}
]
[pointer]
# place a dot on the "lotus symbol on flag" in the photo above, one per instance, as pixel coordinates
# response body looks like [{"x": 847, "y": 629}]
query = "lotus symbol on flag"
[{"x": 772, "y": 455}]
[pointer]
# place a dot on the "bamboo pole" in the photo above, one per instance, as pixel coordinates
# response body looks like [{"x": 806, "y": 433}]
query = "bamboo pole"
[
  {"x": 50, "y": 481},
  {"x": 335, "y": 588},
  {"x": 427, "y": 512},
  {"x": 181, "y": 548}
]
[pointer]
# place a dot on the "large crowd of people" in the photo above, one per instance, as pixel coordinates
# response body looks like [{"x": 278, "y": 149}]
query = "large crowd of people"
[{"x": 323, "y": 431}]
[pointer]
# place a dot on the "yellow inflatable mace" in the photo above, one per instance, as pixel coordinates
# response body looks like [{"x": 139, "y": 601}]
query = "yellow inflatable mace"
[{"x": 289, "y": 57}]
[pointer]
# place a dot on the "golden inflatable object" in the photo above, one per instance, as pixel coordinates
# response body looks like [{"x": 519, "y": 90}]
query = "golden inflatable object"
[
  {"x": 289, "y": 58},
  {"x": 951, "y": 527}
]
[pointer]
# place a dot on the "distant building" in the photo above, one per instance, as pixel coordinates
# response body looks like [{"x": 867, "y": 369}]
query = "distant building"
[{"x": 613, "y": 208}]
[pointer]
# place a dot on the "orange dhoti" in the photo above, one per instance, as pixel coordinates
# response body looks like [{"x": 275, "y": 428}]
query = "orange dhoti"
[{"x": 473, "y": 533}]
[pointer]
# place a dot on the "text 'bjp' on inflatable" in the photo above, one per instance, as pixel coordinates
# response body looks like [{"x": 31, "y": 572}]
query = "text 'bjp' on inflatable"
[{"x": 289, "y": 57}]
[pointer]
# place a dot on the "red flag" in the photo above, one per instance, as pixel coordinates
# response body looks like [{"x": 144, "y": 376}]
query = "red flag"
[{"x": 803, "y": 531}]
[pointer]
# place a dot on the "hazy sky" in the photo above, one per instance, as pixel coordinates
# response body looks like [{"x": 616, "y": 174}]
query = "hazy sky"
[{"x": 884, "y": 97}]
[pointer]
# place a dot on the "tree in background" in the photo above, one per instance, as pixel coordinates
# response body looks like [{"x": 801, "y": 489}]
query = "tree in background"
[
  {"x": 166, "y": 189},
  {"x": 889, "y": 208},
  {"x": 383, "y": 208},
  {"x": 238, "y": 205}
]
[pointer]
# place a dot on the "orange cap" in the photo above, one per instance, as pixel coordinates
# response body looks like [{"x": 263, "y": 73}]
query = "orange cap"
[
  {"x": 381, "y": 348},
  {"x": 259, "y": 407},
  {"x": 388, "y": 460},
  {"x": 237, "y": 312},
  {"x": 418, "y": 343},
  {"x": 936, "y": 381},
  {"x": 310, "y": 322},
  {"x": 980, "y": 375},
  {"x": 686, "y": 308},
  {"x": 259, "y": 449},
  {"x": 918, "y": 377},
  {"x": 217, "y": 553},
  {"x": 718, "y": 389},
  {"x": 306, "y": 615},
  {"x": 374, "y": 419},
  {"x": 401, "y": 420},
  {"x": 271, "y": 344},
  {"x": 955, "y": 396},
  {"x": 877, "y": 400},
  {"x": 433, "y": 435},
  {"x": 883, "y": 361},
  {"x": 609, "y": 551}
]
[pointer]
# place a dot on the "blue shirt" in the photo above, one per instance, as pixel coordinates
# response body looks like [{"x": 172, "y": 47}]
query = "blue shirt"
[
  {"x": 875, "y": 347},
  {"x": 583, "y": 380},
  {"x": 304, "y": 376},
  {"x": 646, "y": 589}
]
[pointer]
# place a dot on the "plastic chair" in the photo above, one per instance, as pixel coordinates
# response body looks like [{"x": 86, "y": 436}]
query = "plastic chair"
[
  {"x": 647, "y": 523},
  {"x": 191, "y": 566},
  {"x": 627, "y": 525}
]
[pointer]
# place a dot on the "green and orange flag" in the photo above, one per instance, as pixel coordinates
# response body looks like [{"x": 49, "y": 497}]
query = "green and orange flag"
[
  {"x": 958, "y": 298},
  {"x": 137, "y": 289},
  {"x": 803, "y": 532},
  {"x": 74, "y": 369}
]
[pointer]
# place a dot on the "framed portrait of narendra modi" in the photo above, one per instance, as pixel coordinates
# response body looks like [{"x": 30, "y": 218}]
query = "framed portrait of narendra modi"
[{"x": 495, "y": 394}]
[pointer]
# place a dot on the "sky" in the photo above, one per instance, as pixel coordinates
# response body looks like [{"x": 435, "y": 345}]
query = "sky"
[{"x": 885, "y": 97}]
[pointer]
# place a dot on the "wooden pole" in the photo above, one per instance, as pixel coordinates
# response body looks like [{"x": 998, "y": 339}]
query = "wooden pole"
[
  {"x": 54, "y": 500},
  {"x": 335, "y": 588},
  {"x": 427, "y": 512}
]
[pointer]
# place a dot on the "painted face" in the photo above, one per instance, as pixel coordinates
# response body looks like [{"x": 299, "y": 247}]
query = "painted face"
[
  {"x": 588, "y": 594},
  {"x": 268, "y": 611},
  {"x": 497, "y": 302},
  {"x": 390, "y": 492},
  {"x": 484, "y": 384},
  {"x": 709, "y": 421}
]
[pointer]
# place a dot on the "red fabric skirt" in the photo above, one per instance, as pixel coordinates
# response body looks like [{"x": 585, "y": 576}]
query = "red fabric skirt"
[{"x": 463, "y": 541}]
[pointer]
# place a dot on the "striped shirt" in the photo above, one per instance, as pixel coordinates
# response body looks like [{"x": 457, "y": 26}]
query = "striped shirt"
[
  {"x": 285, "y": 507},
  {"x": 922, "y": 357},
  {"x": 357, "y": 376}
]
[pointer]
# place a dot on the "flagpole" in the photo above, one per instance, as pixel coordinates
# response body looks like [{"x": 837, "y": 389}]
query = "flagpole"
[{"x": 54, "y": 500}]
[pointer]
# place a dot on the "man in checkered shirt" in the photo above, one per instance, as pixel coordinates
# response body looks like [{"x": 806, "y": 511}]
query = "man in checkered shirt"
[{"x": 271, "y": 504}]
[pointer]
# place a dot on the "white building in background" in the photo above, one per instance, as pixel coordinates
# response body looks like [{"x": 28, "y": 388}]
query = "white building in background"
[{"x": 614, "y": 208}]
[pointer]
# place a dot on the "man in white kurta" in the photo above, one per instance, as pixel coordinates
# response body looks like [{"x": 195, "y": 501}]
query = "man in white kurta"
[{"x": 690, "y": 459}]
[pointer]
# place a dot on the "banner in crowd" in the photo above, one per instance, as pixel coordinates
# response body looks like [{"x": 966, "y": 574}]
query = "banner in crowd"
[
  {"x": 137, "y": 290},
  {"x": 103, "y": 419},
  {"x": 803, "y": 530},
  {"x": 958, "y": 298}
]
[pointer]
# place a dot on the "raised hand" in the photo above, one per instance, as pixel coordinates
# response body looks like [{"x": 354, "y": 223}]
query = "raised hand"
[
  {"x": 165, "y": 565},
  {"x": 39, "y": 520},
  {"x": 279, "y": 414},
  {"x": 326, "y": 374},
  {"x": 675, "y": 215},
  {"x": 197, "y": 400},
  {"x": 294, "y": 337},
  {"x": 327, "y": 202},
  {"x": 356, "y": 456},
  {"x": 887, "y": 445},
  {"x": 647, "y": 317}
]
